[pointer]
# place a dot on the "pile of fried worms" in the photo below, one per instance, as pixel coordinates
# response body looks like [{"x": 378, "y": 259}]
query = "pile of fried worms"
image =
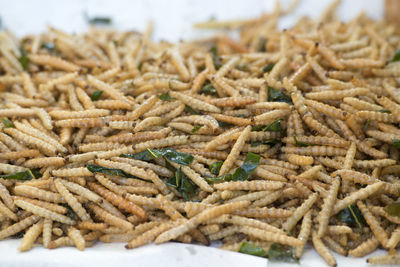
[{"x": 266, "y": 143}]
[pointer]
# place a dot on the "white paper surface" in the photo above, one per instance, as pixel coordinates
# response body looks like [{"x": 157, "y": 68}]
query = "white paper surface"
[{"x": 173, "y": 21}]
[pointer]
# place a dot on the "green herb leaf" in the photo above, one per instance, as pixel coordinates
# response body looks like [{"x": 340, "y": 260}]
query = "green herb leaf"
[
  {"x": 191, "y": 110},
  {"x": 278, "y": 252},
  {"x": 196, "y": 128},
  {"x": 396, "y": 143},
  {"x": 215, "y": 57},
  {"x": 183, "y": 184},
  {"x": 7, "y": 123},
  {"x": 144, "y": 155},
  {"x": 166, "y": 97},
  {"x": 393, "y": 209},
  {"x": 215, "y": 167},
  {"x": 248, "y": 167},
  {"x": 272, "y": 127},
  {"x": 252, "y": 249},
  {"x": 223, "y": 124},
  {"x": 96, "y": 95},
  {"x": 172, "y": 155},
  {"x": 208, "y": 89},
  {"x": 278, "y": 96},
  {"x": 396, "y": 56},
  {"x": 24, "y": 58},
  {"x": 385, "y": 111},
  {"x": 242, "y": 173},
  {"x": 108, "y": 171},
  {"x": 25, "y": 175},
  {"x": 242, "y": 67},
  {"x": 268, "y": 68},
  {"x": 97, "y": 20},
  {"x": 299, "y": 143},
  {"x": 352, "y": 216},
  {"x": 70, "y": 212}
]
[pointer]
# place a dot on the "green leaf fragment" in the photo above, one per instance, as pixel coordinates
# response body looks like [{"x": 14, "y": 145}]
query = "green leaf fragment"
[
  {"x": 166, "y": 97},
  {"x": 396, "y": 143},
  {"x": 352, "y": 216},
  {"x": 215, "y": 167},
  {"x": 272, "y": 127},
  {"x": 196, "y": 128},
  {"x": 109, "y": 171},
  {"x": 96, "y": 95},
  {"x": 393, "y": 209},
  {"x": 216, "y": 60},
  {"x": 190, "y": 110},
  {"x": 299, "y": 143},
  {"x": 208, "y": 89},
  {"x": 268, "y": 68},
  {"x": 385, "y": 111},
  {"x": 183, "y": 184},
  {"x": 278, "y": 252},
  {"x": 168, "y": 153},
  {"x": 278, "y": 96},
  {"x": 252, "y": 249},
  {"x": 242, "y": 173},
  {"x": 7, "y": 123},
  {"x": 396, "y": 56},
  {"x": 25, "y": 175},
  {"x": 23, "y": 60}
]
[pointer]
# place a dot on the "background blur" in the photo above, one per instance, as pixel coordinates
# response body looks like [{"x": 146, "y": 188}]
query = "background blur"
[{"x": 173, "y": 19}]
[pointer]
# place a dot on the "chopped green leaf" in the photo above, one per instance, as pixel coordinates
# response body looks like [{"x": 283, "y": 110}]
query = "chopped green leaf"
[
  {"x": 215, "y": 167},
  {"x": 96, "y": 95},
  {"x": 252, "y": 249},
  {"x": 223, "y": 124},
  {"x": 108, "y": 171},
  {"x": 396, "y": 56},
  {"x": 352, "y": 216},
  {"x": 257, "y": 143},
  {"x": 278, "y": 96},
  {"x": 278, "y": 252},
  {"x": 24, "y": 58},
  {"x": 144, "y": 155},
  {"x": 215, "y": 57},
  {"x": 242, "y": 67},
  {"x": 196, "y": 128},
  {"x": 393, "y": 209},
  {"x": 168, "y": 153},
  {"x": 97, "y": 20},
  {"x": 70, "y": 213},
  {"x": 7, "y": 123},
  {"x": 172, "y": 155},
  {"x": 396, "y": 143},
  {"x": 299, "y": 143},
  {"x": 183, "y": 184},
  {"x": 191, "y": 110},
  {"x": 268, "y": 67},
  {"x": 248, "y": 167},
  {"x": 208, "y": 89},
  {"x": 385, "y": 111},
  {"x": 242, "y": 173},
  {"x": 272, "y": 127},
  {"x": 166, "y": 97},
  {"x": 25, "y": 175}
]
